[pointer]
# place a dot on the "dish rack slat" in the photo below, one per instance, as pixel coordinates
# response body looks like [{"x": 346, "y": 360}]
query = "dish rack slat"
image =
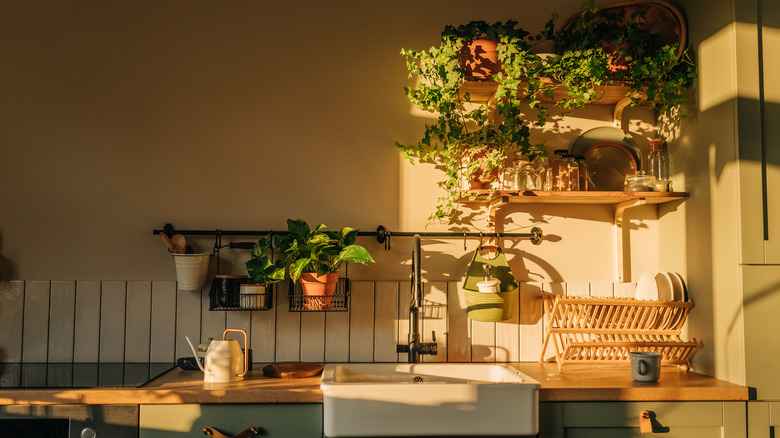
[{"x": 604, "y": 330}]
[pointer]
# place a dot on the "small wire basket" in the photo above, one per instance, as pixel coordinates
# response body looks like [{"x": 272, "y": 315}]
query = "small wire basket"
[
  {"x": 338, "y": 302},
  {"x": 245, "y": 297}
]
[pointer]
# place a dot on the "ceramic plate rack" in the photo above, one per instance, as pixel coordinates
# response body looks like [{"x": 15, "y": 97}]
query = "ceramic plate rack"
[
  {"x": 339, "y": 302},
  {"x": 603, "y": 330}
]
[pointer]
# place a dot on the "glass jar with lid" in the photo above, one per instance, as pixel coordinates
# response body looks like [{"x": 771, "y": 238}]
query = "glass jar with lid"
[
  {"x": 509, "y": 177},
  {"x": 526, "y": 175},
  {"x": 555, "y": 164},
  {"x": 640, "y": 183},
  {"x": 568, "y": 174}
]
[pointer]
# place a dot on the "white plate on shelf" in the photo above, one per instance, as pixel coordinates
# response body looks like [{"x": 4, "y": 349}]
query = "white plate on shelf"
[
  {"x": 679, "y": 292},
  {"x": 665, "y": 286},
  {"x": 678, "y": 287},
  {"x": 646, "y": 287}
]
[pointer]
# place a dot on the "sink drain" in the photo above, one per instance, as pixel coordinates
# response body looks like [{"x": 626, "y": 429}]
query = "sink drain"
[{"x": 417, "y": 379}]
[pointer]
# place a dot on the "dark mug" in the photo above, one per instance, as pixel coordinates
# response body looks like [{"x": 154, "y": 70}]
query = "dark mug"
[{"x": 645, "y": 366}]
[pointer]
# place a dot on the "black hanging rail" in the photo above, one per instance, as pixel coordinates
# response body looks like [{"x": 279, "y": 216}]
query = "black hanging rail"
[{"x": 382, "y": 234}]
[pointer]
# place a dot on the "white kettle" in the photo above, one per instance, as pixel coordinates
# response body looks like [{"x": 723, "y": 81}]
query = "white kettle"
[{"x": 224, "y": 361}]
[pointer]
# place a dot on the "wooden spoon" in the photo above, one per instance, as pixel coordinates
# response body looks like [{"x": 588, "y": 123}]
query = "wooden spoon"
[
  {"x": 167, "y": 241},
  {"x": 179, "y": 243}
]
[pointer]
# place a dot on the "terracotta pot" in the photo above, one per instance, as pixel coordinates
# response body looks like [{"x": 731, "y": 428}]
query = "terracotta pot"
[
  {"x": 318, "y": 290},
  {"x": 479, "y": 181},
  {"x": 616, "y": 61},
  {"x": 479, "y": 59}
]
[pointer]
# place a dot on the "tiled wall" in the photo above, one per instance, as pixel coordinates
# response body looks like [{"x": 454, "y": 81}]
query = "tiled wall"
[{"x": 147, "y": 321}]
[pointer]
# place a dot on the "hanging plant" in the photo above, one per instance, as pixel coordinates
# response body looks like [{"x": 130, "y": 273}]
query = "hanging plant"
[
  {"x": 612, "y": 46},
  {"x": 465, "y": 142}
]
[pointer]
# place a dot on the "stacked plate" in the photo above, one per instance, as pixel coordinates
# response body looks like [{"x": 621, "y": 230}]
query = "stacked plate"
[{"x": 661, "y": 286}]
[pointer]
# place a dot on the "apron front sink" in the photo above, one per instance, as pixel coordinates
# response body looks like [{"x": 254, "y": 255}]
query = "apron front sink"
[{"x": 428, "y": 399}]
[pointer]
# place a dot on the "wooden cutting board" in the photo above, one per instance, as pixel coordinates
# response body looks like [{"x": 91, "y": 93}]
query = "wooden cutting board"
[{"x": 292, "y": 370}]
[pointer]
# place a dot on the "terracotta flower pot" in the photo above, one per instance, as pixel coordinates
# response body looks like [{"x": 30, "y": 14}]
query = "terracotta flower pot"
[
  {"x": 318, "y": 290},
  {"x": 616, "y": 61},
  {"x": 479, "y": 181},
  {"x": 479, "y": 59}
]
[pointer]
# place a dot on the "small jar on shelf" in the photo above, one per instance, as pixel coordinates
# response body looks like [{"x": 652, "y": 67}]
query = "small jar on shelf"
[
  {"x": 568, "y": 174},
  {"x": 543, "y": 169},
  {"x": 555, "y": 165}
]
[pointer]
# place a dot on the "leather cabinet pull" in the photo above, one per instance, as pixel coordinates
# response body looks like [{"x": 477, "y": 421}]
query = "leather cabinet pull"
[
  {"x": 248, "y": 433},
  {"x": 645, "y": 423}
]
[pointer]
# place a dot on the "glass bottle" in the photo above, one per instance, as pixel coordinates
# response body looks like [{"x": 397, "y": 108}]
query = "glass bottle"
[
  {"x": 658, "y": 165},
  {"x": 583, "y": 169},
  {"x": 568, "y": 174},
  {"x": 555, "y": 164}
]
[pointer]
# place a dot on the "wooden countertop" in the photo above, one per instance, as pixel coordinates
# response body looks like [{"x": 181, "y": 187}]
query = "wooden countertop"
[{"x": 575, "y": 383}]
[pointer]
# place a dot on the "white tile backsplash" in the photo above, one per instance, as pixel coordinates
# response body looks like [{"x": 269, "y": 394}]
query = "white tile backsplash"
[{"x": 140, "y": 321}]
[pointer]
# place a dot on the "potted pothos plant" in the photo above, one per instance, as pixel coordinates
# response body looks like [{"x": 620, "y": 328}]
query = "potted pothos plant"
[
  {"x": 315, "y": 257},
  {"x": 468, "y": 141},
  {"x": 263, "y": 272},
  {"x": 259, "y": 266},
  {"x": 608, "y": 46}
]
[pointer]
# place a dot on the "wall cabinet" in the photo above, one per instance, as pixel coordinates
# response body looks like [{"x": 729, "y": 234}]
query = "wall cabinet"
[
  {"x": 188, "y": 420},
  {"x": 621, "y": 419}
]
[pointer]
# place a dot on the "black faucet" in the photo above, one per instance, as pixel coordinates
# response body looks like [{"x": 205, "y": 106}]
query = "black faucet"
[{"x": 415, "y": 347}]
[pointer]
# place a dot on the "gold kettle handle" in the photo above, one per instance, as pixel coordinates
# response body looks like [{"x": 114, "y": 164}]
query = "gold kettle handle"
[{"x": 246, "y": 347}]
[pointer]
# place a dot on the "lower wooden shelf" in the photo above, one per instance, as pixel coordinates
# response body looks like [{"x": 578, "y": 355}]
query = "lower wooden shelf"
[{"x": 554, "y": 197}]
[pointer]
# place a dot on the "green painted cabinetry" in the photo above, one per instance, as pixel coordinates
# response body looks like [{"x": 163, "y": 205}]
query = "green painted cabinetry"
[
  {"x": 763, "y": 419},
  {"x": 621, "y": 419},
  {"x": 188, "y": 420}
]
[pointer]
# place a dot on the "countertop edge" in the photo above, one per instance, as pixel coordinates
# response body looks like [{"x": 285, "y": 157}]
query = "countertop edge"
[{"x": 576, "y": 384}]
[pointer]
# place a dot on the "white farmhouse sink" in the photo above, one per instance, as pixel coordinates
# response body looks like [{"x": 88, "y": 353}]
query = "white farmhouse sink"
[{"x": 428, "y": 399}]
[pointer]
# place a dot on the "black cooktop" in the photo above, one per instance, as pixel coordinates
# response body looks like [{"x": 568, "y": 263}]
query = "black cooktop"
[{"x": 79, "y": 375}]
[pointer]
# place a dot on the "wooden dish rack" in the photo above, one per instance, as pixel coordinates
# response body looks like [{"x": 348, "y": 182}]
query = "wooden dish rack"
[{"x": 603, "y": 330}]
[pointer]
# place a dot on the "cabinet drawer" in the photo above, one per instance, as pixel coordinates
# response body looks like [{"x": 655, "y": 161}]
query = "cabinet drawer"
[
  {"x": 626, "y": 414},
  {"x": 274, "y": 420}
]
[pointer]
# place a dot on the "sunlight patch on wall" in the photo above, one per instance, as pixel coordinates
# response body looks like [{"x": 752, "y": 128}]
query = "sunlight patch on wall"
[
  {"x": 771, "y": 42},
  {"x": 728, "y": 65}
]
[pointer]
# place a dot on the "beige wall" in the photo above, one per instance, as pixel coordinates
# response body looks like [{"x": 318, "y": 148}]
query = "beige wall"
[{"x": 119, "y": 117}]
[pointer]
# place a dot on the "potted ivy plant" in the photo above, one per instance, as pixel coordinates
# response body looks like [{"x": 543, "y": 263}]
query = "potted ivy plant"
[
  {"x": 315, "y": 257},
  {"x": 469, "y": 141},
  {"x": 607, "y": 46},
  {"x": 263, "y": 272}
]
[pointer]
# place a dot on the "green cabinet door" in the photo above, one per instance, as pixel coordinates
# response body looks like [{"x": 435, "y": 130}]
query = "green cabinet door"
[
  {"x": 621, "y": 419},
  {"x": 763, "y": 419},
  {"x": 188, "y": 420}
]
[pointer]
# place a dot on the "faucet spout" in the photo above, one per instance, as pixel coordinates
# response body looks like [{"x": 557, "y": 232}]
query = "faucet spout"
[{"x": 415, "y": 347}]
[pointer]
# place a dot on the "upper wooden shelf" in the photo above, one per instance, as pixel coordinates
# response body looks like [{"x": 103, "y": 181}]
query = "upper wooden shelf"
[
  {"x": 616, "y": 94},
  {"x": 482, "y": 91},
  {"x": 593, "y": 198}
]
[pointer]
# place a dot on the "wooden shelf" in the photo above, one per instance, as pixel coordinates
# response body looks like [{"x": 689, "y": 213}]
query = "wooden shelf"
[
  {"x": 619, "y": 201},
  {"x": 482, "y": 91},
  {"x": 593, "y": 198},
  {"x": 615, "y": 94}
]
